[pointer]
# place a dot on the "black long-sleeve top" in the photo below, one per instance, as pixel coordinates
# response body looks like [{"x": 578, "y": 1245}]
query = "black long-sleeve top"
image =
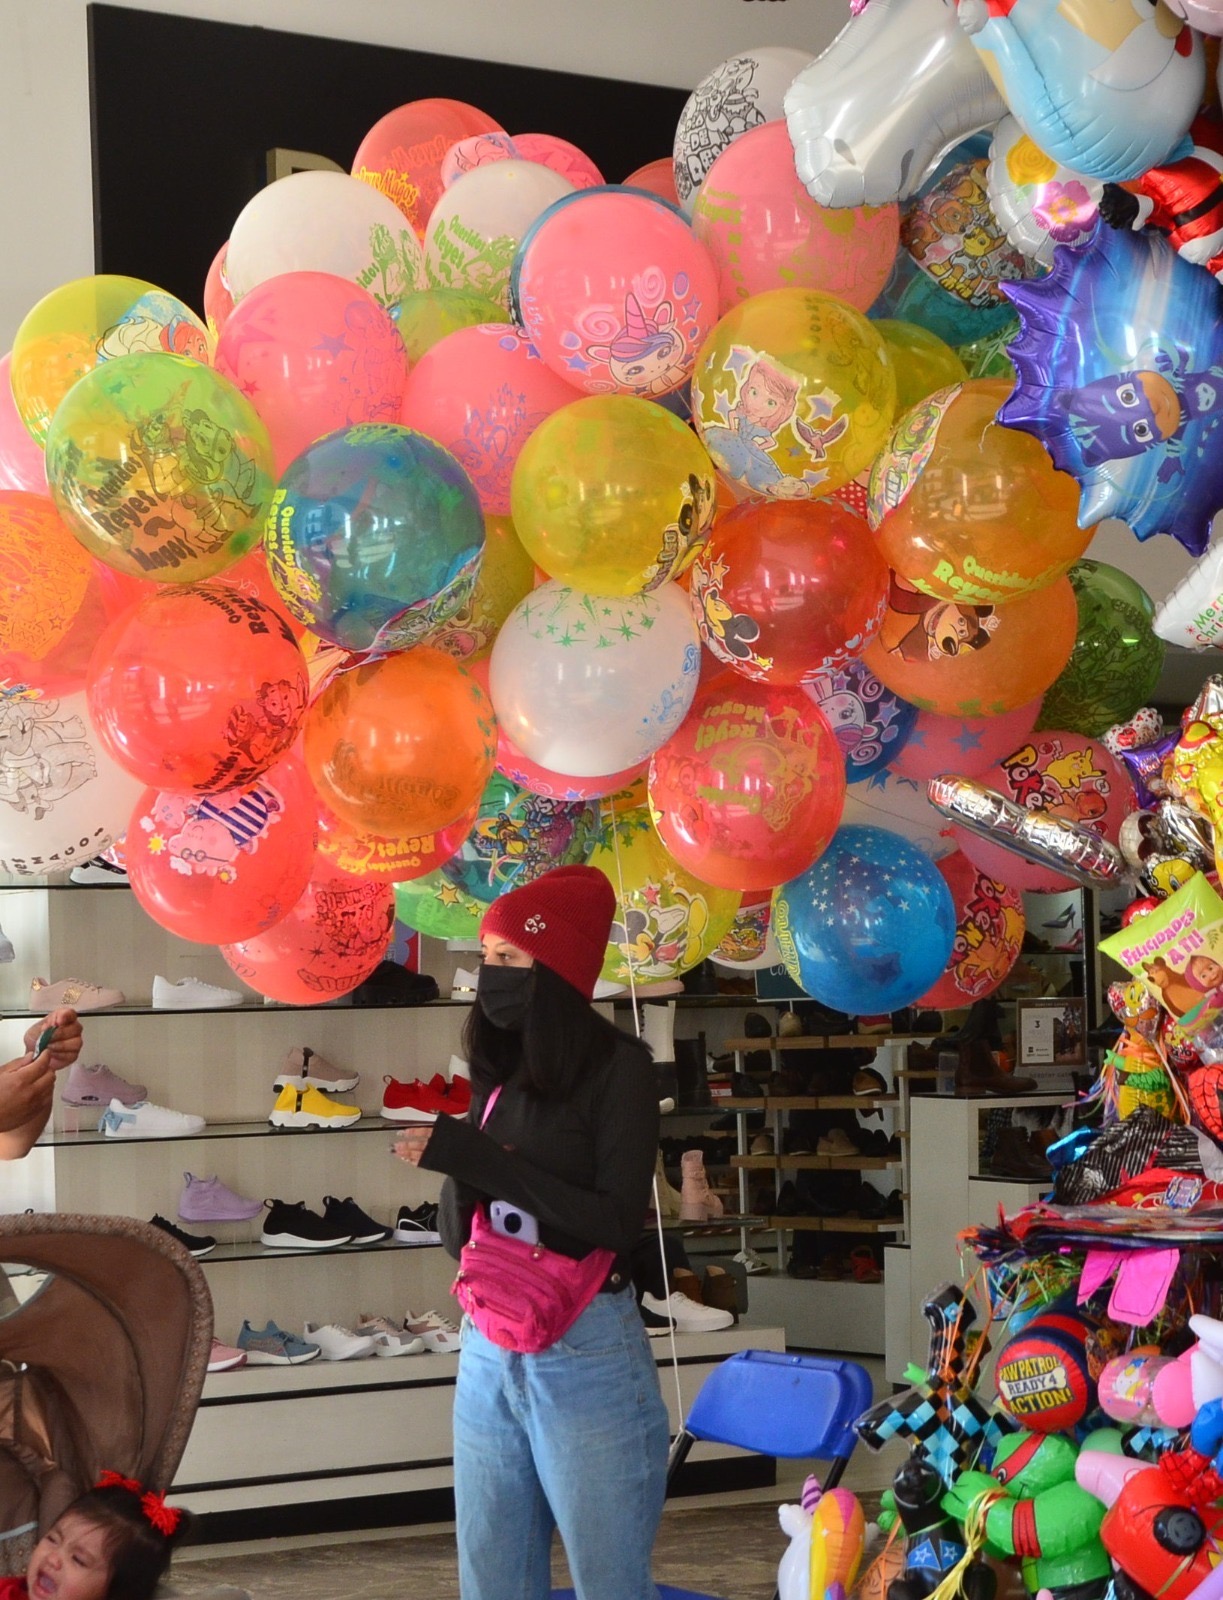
[{"x": 582, "y": 1166}]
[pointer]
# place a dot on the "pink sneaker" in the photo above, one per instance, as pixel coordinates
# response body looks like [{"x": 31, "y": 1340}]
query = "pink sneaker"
[
  {"x": 98, "y": 1086},
  {"x": 208, "y": 1200},
  {"x": 74, "y": 992},
  {"x": 224, "y": 1357}
]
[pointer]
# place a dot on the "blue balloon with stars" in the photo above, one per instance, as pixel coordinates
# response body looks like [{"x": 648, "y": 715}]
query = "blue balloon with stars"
[{"x": 869, "y": 927}]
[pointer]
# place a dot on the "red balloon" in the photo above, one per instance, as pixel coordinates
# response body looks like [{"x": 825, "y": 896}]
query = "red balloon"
[
  {"x": 749, "y": 791},
  {"x": 198, "y": 688},
  {"x": 219, "y": 867},
  {"x": 989, "y": 929},
  {"x": 330, "y": 942},
  {"x": 369, "y": 855},
  {"x": 218, "y": 302},
  {"x": 785, "y": 589}
]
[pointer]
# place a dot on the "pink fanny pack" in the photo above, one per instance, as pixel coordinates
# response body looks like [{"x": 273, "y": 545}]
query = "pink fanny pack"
[{"x": 524, "y": 1297}]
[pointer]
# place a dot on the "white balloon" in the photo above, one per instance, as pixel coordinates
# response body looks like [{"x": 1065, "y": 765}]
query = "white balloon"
[
  {"x": 62, "y": 798},
  {"x": 325, "y": 222},
  {"x": 1039, "y": 203},
  {"x": 588, "y": 684},
  {"x": 740, "y": 93},
  {"x": 1192, "y": 615},
  {"x": 893, "y": 92},
  {"x": 900, "y": 805},
  {"x": 479, "y": 221},
  {"x": 1204, "y": 15}
]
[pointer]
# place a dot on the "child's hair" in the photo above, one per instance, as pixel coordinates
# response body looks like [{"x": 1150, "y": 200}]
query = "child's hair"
[{"x": 142, "y": 1533}]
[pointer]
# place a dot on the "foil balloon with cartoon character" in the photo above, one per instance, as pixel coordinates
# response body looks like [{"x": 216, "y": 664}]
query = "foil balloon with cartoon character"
[
  {"x": 1192, "y": 615},
  {"x": 954, "y": 237},
  {"x": 1039, "y": 203},
  {"x": 869, "y": 722},
  {"x": 894, "y": 90},
  {"x": 1177, "y": 951},
  {"x": 1204, "y": 15},
  {"x": 1119, "y": 366},
  {"x": 1182, "y": 200},
  {"x": 1104, "y": 87}
]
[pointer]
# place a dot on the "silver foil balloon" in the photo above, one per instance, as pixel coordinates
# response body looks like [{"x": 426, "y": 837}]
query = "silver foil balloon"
[
  {"x": 894, "y": 91},
  {"x": 1067, "y": 847}
]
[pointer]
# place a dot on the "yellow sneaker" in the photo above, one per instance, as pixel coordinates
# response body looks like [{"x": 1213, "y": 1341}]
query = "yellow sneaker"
[{"x": 311, "y": 1108}]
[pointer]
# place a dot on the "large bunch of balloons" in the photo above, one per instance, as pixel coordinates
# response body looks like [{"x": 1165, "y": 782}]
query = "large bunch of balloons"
[{"x": 495, "y": 514}]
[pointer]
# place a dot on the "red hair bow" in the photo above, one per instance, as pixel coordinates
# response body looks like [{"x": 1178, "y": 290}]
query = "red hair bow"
[
  {"x": 152, "y": 1502},
  {"x": 116, "y": 1480}
]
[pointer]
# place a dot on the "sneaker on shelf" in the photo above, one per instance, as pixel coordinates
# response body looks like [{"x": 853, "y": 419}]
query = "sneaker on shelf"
[
  {"x": 439, "y": 1334},
  {"x": 209, "y": 1200},
  {"x": 387, "y": 1339},
  {"x": 688, "y": 1316},
  {"x": 98, "y": 1086},
  {"x": 145, "y": 1120},
  {"x": 74, "y": 992},
  {"x": 97, "y": 872},
  {"x": 417, "y": 1225},
  {"x": 305, "y": 1068},
  {"x": 391, "y": 984},
  {"x": 273, "y": 1347},
  {"x": 347, "y": 1216},
  {"x": 224, "y": 1357},
  {"x": 754, "y": 1265},
  {"x": 336, "y": 1343},
  {"x": 293, "y": 1226},
  {"x": 311, "y": 1108},
  {"x": 464, "y": 985},
  {"x": 199, "y": 1244},
  {"x": 420, "y": 1102},
  {"x": 867, "y": 1081},
  {"x": 191, "y": 994}
]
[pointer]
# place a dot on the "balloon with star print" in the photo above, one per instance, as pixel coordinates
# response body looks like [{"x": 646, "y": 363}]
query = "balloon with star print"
[
  {"x": 870, "y": 723},
  {"x": 967, "y": 745},
  {"x": 869, "y": 927}
]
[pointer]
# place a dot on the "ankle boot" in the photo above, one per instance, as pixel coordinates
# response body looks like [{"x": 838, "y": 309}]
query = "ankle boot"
[
  {"x": 690, "y": 1072},
  {"x": 666, "y": 1197},
  {"x": 720, "y": 1291},
  {"x": 979, "y": 1073},
  {"x": 698, "y": 1203}
]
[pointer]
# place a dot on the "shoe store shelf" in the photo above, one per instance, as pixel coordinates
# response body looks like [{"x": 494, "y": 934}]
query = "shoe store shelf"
[
  {"x": 252, "y": 1250},
  {"x": 837, "y": 1224},
  {"x": 813, "y": 1163},
  {"x": 825, "y": 1041},
  {"x": 807, "y": 1102},
  {"x": 247, "y": 1007},
  {"x": 215, "y": 1130}
]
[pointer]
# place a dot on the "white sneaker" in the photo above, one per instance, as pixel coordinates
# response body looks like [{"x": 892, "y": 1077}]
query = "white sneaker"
[
  {"x": 191, "y": 994},
  {"x": 464, "y": 986},
  {"x": 438, "y": 1334},
  {"x": 96, "y": 871},
  {"x": 688, "y": 1316},
  {"x": 144, "y": 1120},
  {"x": 387, "y": 1338},
  {"x": 457, "y": 1068},
  {"x": 751, "y": 1263},
  {"x": 336, "y": 1343}
]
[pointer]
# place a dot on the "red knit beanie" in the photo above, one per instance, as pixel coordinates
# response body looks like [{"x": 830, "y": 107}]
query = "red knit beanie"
[{"x": 563, "y": 919}]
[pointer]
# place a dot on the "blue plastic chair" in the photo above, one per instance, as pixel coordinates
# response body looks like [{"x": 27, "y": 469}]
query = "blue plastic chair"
[{"x": 775, "y": 1405}]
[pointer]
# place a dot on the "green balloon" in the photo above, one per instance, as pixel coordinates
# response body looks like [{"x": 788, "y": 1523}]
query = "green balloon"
[
  {"x": 1117, "y": 657},
  {"x": 986, "y": 357},
  {"x": 427, "y": 315},
  {"x": 438, "y": 908}
]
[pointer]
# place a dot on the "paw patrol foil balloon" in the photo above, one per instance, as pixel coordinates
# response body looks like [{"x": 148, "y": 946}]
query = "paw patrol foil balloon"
[
  {"x": 894, "y": 90},
  {"x": 1120, "y": 375},
  {"x": 1104, "y": 87}
]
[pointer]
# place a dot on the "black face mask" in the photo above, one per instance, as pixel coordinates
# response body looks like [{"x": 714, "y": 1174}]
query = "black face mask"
[{"x": 504, "y": 995}]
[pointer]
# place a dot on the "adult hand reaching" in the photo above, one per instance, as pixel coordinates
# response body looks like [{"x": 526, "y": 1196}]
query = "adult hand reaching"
[
  {"x": 65, "y": 1046},
  {"x": 410, "y": 1144}
]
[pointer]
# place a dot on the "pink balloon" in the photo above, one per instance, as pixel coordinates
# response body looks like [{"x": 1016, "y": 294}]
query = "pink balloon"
[
  {"x": 964, "y": 745},
  {"x": 656, "y": 176},
  {"x": 561, "y": 156},
  {"x": 218, "y": 302},
  {"x": 481, "y": 392},
  {"x": 22, "y": 462},
  {"x": 1061, "y": 774},
  {"x": 616, "y": 293},
  {"x": 313, "y": 353},
  {"x": 477, "y": 151},
  {"x": 764, "y": 231}
]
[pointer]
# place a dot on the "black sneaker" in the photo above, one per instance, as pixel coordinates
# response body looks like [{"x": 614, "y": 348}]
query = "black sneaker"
[
  {"x": 391, "y": 984},
  {"x": 348, "y": 1217},
  {"x": 655, "y": 1325},
  {"x": 199, "y": 1244},
  {"x": 417, "y": 1225},
  {"x": 296, "y": 1227}
]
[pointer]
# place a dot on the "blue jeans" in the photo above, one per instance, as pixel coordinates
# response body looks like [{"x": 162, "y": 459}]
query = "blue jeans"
[{"x": 574, "y": 1438}]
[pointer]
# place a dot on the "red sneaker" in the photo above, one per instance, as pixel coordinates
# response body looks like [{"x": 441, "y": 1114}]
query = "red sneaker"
[
  {"x": 458, "y": 1097},
  {"x": 412, "y": 1102}
]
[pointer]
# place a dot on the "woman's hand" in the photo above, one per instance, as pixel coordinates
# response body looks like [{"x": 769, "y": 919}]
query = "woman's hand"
[
  {"x": 65, "y": 1047},
  {"x": 411, "y": 1144}
]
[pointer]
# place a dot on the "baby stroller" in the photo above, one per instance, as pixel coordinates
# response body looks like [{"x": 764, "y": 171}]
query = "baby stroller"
[{"x": 105, "y": 1330}]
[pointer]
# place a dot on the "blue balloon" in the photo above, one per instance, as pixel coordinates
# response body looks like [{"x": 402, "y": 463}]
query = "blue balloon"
[
  {"x": 872, "y": 725},
  {"x": 1119, "y": 374},
  {"x": 374, "y": 537},
  {"x": 869, "y": 928}
]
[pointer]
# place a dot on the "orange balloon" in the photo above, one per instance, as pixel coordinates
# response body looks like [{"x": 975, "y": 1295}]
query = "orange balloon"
[
  {"x": 44, "y": 576},
  {"x": 401, "y": 746},
  {"x": 972, "y": 660},
  {"x": 968, "y": 510},
  {"x": 366, "y": 855}
]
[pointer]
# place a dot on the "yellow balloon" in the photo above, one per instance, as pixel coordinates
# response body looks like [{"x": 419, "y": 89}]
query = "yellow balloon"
[
  {"x": 425, "y": 316},
  {"x": 82, "y": 324},
  {"x": 922, "y": 360},
  {"x": 507, "y": 575},
  {"x": 667, "y": 921},
  {"x": 793, "y": 394},
  {"x": 613, "y": 495}
]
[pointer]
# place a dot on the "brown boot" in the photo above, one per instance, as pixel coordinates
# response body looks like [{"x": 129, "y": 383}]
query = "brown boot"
[
  {"x": 979, "y": 1073},
  {"x": 721, "y": 1291},
  {"x": 1015, "y": 1156},
  {"x": 684, "y": 1281}
]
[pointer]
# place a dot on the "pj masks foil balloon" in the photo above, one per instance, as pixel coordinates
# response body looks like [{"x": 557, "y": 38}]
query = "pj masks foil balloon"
[
  {"x": 1119, "y": 365},
  {"x": 1105, "y": 87}
]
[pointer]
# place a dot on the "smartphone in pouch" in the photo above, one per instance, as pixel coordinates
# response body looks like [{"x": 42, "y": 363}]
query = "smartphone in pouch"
[
  {"x": 44, "y": 1039},
  {"x": 513, "y": 1223}
]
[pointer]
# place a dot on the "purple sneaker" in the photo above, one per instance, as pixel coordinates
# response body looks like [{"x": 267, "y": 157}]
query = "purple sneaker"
[
  {"x": 98, "y": 1086},
  {"x": 208, "y": 1200}
]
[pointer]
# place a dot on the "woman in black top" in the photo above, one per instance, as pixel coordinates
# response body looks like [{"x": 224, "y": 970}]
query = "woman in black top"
[{"x": 575, "y": 1437}]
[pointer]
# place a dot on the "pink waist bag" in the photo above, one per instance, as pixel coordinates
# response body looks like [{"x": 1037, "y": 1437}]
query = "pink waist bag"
[{"x": 524, "y": 1297}]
